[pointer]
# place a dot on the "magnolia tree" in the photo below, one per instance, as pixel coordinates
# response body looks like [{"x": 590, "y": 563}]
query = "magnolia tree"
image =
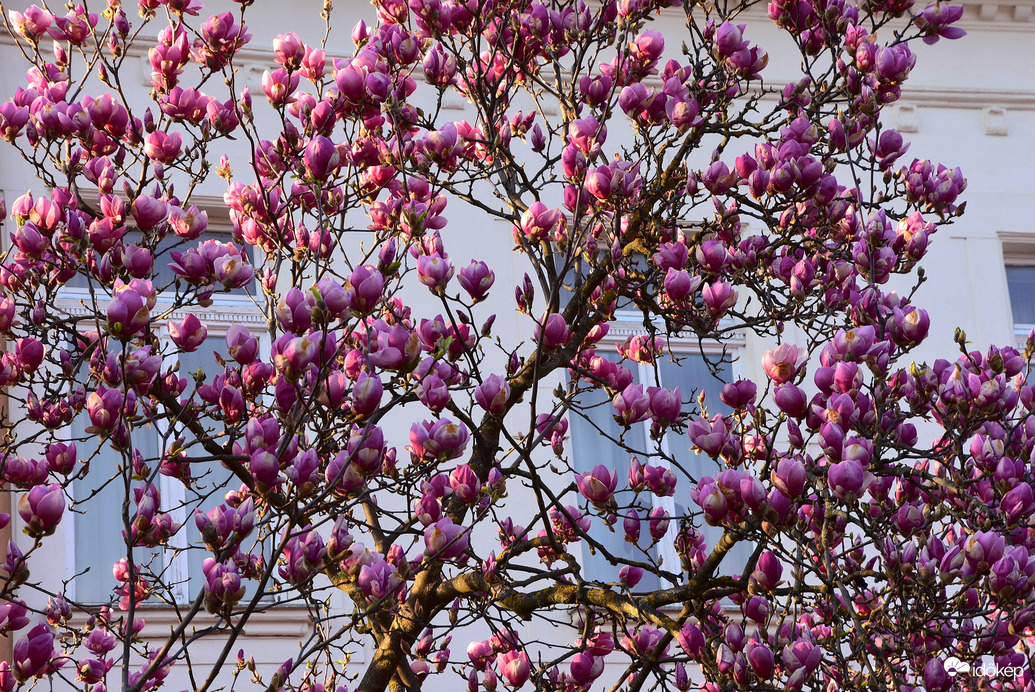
[{"x": 664, "y": 177}]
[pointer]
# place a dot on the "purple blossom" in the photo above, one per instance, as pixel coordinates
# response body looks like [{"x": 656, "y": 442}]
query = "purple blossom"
[
  {"x": 783, "y": 363},
  {"x": 476, "y": 278},
  {"x": 598, "y": 486},
  {"x": 493, "y": 394},
  {"x": 32, "y": 654},
  {"x": 445, "y": 540},
  {"x": 188, "y": 334},
  {"x": 41, "y": 509},
  {"x": 439, "y": 440}
]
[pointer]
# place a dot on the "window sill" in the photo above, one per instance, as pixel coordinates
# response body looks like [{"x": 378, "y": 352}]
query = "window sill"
[
  {"x": 276, "y": 622},
  {"x": 237, "y": 312}
]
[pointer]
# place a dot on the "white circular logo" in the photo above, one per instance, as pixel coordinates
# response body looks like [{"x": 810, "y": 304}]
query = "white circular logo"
[{"x": 954, "y": 667}]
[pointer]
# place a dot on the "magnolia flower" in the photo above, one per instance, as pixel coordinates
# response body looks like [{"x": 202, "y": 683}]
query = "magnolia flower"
[
  {"x": 439, "y": 440},
  {"x": 321, "y": 158},
  {"x": 445, "y": 540},
  {"x": 32, "y": 653},
  {"x": 514, "y": 667},
  {"x": 789, "y": 477},
  {"x": 128, "y": 314},
  {"x": 188, "y": 333},
  {"x": 493, "y": 394},
  {"x": 434, "y": 271},
  {"x": 848, "y": 479},
  {"x": 598, "y": 486},
  {"x": 783, "y": 363},
  {"x": 768, "y": 571},
  {"x": 554, "y": 333},
  {"x": 476, "y": 278}
]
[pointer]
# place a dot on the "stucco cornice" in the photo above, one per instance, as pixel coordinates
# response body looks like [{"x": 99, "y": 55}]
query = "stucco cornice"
[
  {"x": 1009, "y": 15},
  {"x": 965, "y": 97},
  {"x": 1012, "y": 15}
]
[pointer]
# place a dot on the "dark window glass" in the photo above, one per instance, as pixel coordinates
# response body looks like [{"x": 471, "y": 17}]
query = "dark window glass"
[
  {"x": 164, "y": 277},
  {"x": 1021, "y": 283}
]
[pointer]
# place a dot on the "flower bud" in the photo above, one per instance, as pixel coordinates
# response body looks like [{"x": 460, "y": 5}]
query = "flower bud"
[
  {"x": 41, "y": 509},
  {"x": 188, "y": 334}
]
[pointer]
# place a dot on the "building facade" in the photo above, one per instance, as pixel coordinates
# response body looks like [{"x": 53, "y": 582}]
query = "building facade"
[{"x": 969, "y": 103}]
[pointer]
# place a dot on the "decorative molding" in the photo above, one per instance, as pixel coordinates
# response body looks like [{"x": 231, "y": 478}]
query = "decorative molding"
[
  {"x": 549, "y": 107},
  {"x": 978, "y": 15},
  {"x": 621, "y": 329},
  {"x": 994, "y": 121},
  {"x": 1012, "y": 15},
  {"x": 1018, "y": 247},
  {"x": 452, "y": 101},
  {"x": 907, "y": 118},
  {"x": 966, "y": 97},
  {"x": 275, "y": 622},
  {"x": 251, "y": 62}
]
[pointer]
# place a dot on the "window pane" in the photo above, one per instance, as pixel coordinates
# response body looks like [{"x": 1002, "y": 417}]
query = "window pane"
[
  {"x": 591, "y": 448},
  {"x": 163, "y": 276},
  {"x": 98, "y": 538},
  {"x": 98, "y": 530},
  {"x": 690, "y": 374},
  {"x": 1021, "y": 283},
  {"x": 215, "y": 479}
]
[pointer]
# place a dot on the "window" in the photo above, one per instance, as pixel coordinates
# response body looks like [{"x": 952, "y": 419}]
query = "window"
[
  {"x": 1020, "y": 281},
  {"x": 95, "y": 539},
  {"x": 591, "y": 440},
  {"x": 163, "y": 276},
  {"x": 97, "y": 536},
  {"x": 98, "y": 541}
]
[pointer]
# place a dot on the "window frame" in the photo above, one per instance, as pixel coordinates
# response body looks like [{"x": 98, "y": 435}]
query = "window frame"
[
  {"x": 1018, "y": 250},
  {"x": 1020, "y": 329}
]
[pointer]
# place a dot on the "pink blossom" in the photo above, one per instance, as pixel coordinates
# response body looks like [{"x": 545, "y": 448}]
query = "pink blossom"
[
  {"x": 514, "y": 667},
  {"x": 188, "y": 334},
  {"x": 783, "y": 363},
  {"x": 554, "y": 333},
  {"x": 598, "y": 486},
  {"x": 41, "y": 509},
  {"x": 493, "y": 394},
  {"x": 445, "y": 540}
]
